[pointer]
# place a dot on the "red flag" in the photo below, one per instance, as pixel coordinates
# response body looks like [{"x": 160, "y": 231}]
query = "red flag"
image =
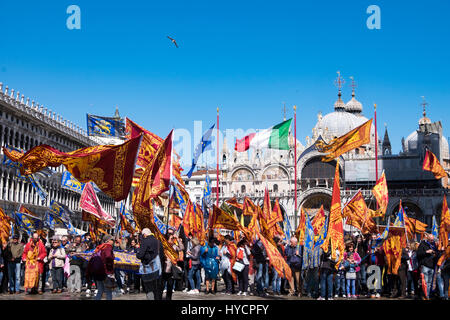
[
  {"x": 89, "y": 203},
  {"x": 431, "y": 163}
]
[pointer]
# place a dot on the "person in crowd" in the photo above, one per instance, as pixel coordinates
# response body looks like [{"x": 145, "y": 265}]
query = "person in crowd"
[
  {"x": 353, "y": 259},
  {"x": 13, "y": 258},
  {"x": 276, "y": 278},
  {"x": 261, "y": 266},
  {"x": 119, "y": 275},
  {"x": 426, "y": 255},
  {"x": 187, "y": 262},
  {"x": 225, "y": 265},
  {"x": 134, "y": 279},
  {"x": 310, "y": 268},
  {"x": 151, "y": 251},
  {"x": 327, "y": 267},
  {"x": 339, "y": 282},
  {"x": 179, "y": 282},
  {"x": 209, "y": 259},
  {"x": 375, "y": 256},
  {"x": 77, "y": 266},
  {"x": 443, "y": 265},
  {"x": 56, "y": 258},
  {"x": 169, "y": 269},
  {"x": 195, "y": 268},
  {"x": 243, "y": 256},
  {"x": 361, "y": 249},
  {"x": 33, "y": 255},
  {"x": 101, "y": 268},
  {"x": 294, "y": 257},
  {"x": 412, "y": 266}
]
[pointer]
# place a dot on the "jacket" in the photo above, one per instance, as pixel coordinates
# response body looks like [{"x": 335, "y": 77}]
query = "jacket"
[
  {"x": 357, "y": 259},
  {"x": 259, "y": 252},
  {"x": 195, "y": 255},
  {"x": 101, "y": 263},
  {"x": 424, "y": 258},
  {"x": 293, "y": 260},
  {"x": 13, "y": 252},
  {"x": 149, "y": 250},
  {"x": 59, "y": 258},
  {"x": 42, "y": 253},
  {"x": 326, "y": 262}
]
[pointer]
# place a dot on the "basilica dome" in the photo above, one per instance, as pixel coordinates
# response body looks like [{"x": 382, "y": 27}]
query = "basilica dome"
[
  {"x": 354, "y": 106},
  {"x": 411, "y": 141},
  {"x": 338, "y": 123}
]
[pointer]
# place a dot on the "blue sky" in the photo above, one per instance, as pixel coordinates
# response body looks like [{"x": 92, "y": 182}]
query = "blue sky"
[{"x": 247, "y": 57}]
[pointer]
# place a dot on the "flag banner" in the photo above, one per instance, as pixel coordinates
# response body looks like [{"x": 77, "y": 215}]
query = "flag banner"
[
  {"x": 444, "y": 226},
  {"x": 349, "y": 141},
  {"x": 335, "y": 232},
  {"x": 69, "y": 182},
  {"x": 28, "y": 222},
  {"x": 275, "y": 137},
  {"x": 89, "y": 203},
  {"x": 189, "y": 219},
  {"x": 154, "y": 181},
  {"x": 318, "y": 221},
  {"x": 381, "y": 237},
  {"x": 105, "y": 126},
  {"x": 46, "y": 172},
  {"x": 414, "y": 226},
  {"x": 206, "y": 199},
  {"x": 249, "y": 208},
  {"x": 356, "y": 213},
  {"x": 109, "y": 167},
  {"x": 205, "y": 144},
  {"x": 431, "y": 163},
  {"x": 267, "y": 206},
  {"x": 276, "y": 259},
  {"x": 300, "y": 232},
  {"x": 400, "y": 219},
  {"x": 5, "y": 226},
  {"x": 169, "y": 251},
  {"x": 126, "y": 220},
  {"x": 161, "y": 225},
  {"x": 309, "y": 235},
  {"x": 123, "y": 261},
  {"x": 50, "y": 222},
  {"x": 149, "y": 147},
  {"x": 276, "y": 215},
  {"x": 38, "y": 188},
  {"x": 175, "y": 221},
  {"x": 137, "y": 176},
  {"x": 322, "y": 235},
  {"x": 381, "y": 194},
  {"x": 233, "y": 202},
  {"x": 59, "y": 212},
  {"x": 287, "y": 228},
  {"x": 182, "y": 198},
  {"x": 392, "y": 247},
  {"x": 222, "y": 220},
  {"x": 434, "y": 228}
]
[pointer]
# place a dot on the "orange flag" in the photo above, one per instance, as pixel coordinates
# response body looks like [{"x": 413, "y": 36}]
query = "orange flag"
[
  {"x": 110, "y": 167},
  {"x": 276, "y": 259},
  {"x": 5, "y": 226},
  {"x": 222, "y": 220},
  {"x": 175, "y": 221},
  {"x": 319, "y": 221},
  {"x": 154, "y": 181},
  {"x": 357, "y": 215},
  {"x": 249, "y": 208},
  {"x": 444, "y": 226},
  {"x": 335, "y": 233},
  {"x": 275, "y": 216},
  {"x": 349, "y": 141},
  {"x": 414, "y": 226},
  {"x": 381, "y": 194},
  {"x": 392, "y": 247},
  {"x": 431, "y": 163},
  {"x": 189, "y": 219},
  {"x": 233, "y": 201},
  {"x": 301, "y": 228},
  {"x": 267, "y": 208}
]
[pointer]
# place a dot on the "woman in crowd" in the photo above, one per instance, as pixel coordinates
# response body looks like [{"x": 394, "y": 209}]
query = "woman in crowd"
[
  {"x": 56, "y": 258},
  {"x": 209, "y": 258},
  {"x": 243, "y": 257}
]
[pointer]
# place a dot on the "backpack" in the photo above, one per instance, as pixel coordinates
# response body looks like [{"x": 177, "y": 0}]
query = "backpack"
[{"x": 96, "y": 266}]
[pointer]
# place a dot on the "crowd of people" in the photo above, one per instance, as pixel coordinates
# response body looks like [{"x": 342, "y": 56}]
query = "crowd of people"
[{"x": 35, "y": 265}]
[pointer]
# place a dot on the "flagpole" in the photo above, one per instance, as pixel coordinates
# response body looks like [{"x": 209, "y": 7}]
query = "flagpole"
[
  {"x": 295, "y": 159},
  {"x": 376, "y": 147},
  {"x": 217, "y": 164}
]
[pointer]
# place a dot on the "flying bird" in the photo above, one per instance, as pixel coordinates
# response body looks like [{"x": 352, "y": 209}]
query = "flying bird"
[{"x": 173, "y": 40}]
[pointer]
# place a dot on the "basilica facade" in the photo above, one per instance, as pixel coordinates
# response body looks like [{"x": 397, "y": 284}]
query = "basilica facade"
[{"x": 249, "y": 173}]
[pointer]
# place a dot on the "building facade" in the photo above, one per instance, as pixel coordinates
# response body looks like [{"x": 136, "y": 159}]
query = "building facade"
[
  {"x": 25, "y": 125},
  {"x": 249, "y": 173}
]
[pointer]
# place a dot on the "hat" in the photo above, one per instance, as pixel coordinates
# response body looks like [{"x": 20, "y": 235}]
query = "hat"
[
  {"x": 107, "y": 238},
  {"x": 55, "y": 237},
  {"x": 146, "y": 232}
]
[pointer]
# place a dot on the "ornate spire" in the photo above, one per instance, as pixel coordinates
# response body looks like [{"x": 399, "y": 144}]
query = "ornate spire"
[
  {"x": 117, "y": 115},
  {"x": 339, "y": 82},
  {"x": 353, "y": 106},
  {"x": 424, "y": 119},
  {"x": 386, "y": 146}
]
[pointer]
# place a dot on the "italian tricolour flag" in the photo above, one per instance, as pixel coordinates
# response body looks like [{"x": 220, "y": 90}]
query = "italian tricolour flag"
[{"x": 275, "y": 137}]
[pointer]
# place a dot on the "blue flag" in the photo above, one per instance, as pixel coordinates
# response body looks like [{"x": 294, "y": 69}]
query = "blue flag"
[
  {"x": 28, "y": 223},
  {"x": 201, "y": 147},
  {"x": 161, "y": 225},
  {"x": 105, "y": 126},
  {"x": 434, "y": 229},
  {"x": 400, "y": 220},
  {"x": 287, "y": 228},
  {"x": 37, "y": 186},
  {"x": 381, "y": 237},
  {"x": 180, "y": 200},
  {"x": 68, "y": 181},
  {"x": 309, "y": 234},
  {"x": 322, "y": 233},
  {"x": 59, "y": 212}
]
